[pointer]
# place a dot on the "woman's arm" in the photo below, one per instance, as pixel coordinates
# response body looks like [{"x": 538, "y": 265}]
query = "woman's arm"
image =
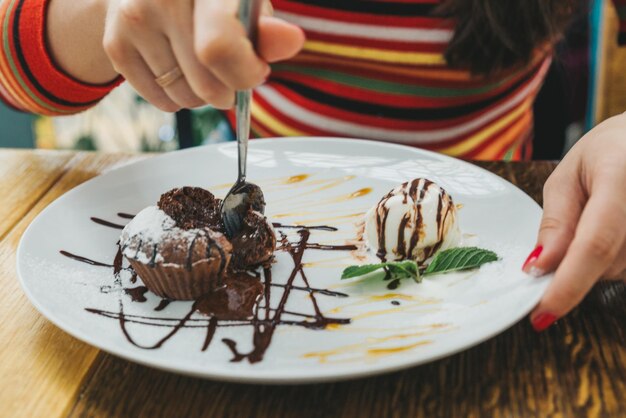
[
  {"x": 32, "y": 77},
  {"x": 74, "y": 30},
  {"x": 61, "y": 56}
]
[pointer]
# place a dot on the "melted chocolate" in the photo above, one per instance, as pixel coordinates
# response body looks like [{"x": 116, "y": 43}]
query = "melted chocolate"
[
  {"x": 162, "y": 305},
  {"x": 264, "y": 328},
  {"x": 107, "y": 223},
  {"x": 160, "y": 322},
  {"x": 192, "y": 208},
  {"x": 419, "y": 218},
  {"x": 177, "y": 327},
  {"x": 242, "y": 300},
  {"x": 326, "y": 247},
  {"x": 84, "y": 259},
  {"x": 236, "y": 299},
  {"x": 401, "y": 246},
  {"x": 394, "y": 284},
  {"x": 210, "y": 332},
  {"x": 254, "y": 244},
  {"x": 325, "y": 292},
  {"x": 382, "y": 213},
  {"x": 137, "y": 294},
  {"x": 118, "y": 262}
]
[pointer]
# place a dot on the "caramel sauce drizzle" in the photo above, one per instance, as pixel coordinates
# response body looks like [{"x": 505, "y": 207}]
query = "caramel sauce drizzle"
[
  {"x": 324, "y": 184},
  {"x": 296, "y": 179},
  {"x": 368, "y": 350}
]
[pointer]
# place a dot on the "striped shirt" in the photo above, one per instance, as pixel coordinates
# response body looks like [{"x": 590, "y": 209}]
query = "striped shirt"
[
  {"x": 371, "y": 69},
  {"x": 375, "y": 69},
  {"x": 29, "y": 79}
]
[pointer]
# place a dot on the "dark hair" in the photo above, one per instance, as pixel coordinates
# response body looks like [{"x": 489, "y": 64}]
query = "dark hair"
[{"x": 493, "y": 35}]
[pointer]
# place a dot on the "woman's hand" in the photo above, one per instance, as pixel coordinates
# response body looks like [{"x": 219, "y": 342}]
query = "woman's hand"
[
  {"x": 145, "y": 39},
  {"x": 583, "y": 231}
]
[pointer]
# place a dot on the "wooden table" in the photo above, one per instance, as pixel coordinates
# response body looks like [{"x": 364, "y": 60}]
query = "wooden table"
[{"x": 576, "y": 368}]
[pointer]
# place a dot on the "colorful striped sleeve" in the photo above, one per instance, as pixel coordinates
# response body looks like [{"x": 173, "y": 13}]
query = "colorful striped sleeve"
[
  {"x": 620, "y": 6},
  {"x": 30, "y": 81}
]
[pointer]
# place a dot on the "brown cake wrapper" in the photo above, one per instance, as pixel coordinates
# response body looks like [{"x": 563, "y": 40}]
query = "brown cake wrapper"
[{"x": 177, "y": 282}]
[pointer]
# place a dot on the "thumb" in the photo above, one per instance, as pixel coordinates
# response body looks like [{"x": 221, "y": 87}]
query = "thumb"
[
  {"x": 563, "y": 202},
  {"x": 278, "y": 39}
]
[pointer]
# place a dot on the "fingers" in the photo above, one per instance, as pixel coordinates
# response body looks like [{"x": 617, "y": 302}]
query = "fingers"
[
  {"x": 158, "y": 54},
  {"x": 221, "y": 44},
  {"x": 279, "y": 40},
  {"x": 599, "y": 237},
  {"x": 201, "y": 79},
  {"x": 128, "y": 62},
  {"x": 563, "y": 203},
  {"x": 204, "y": 38},
  {"x": 267, "y": 8},
  {"x": 224, "y": 47}
]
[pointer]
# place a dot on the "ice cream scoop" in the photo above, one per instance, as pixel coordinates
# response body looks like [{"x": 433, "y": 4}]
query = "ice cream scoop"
[{"x": 412, "y": 221}]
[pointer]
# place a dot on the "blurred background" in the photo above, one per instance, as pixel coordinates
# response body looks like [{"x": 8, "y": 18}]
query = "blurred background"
[{"x": 586, "y": 84}]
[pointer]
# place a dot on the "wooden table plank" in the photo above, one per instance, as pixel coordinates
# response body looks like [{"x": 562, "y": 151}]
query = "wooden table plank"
[
  {"x": 24, "y": 177},
  {"x": 41, "y": 366}
]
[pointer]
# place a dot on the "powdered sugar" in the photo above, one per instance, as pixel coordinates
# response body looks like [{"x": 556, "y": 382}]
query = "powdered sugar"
[
  {"x": 151, "y": 223},
  {"x": 152, "y": 226}
]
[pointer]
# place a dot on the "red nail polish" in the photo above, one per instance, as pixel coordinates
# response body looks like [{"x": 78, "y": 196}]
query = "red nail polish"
[
  {"x": 532, "y": 257},
  {"x": 543, "y": 321}
]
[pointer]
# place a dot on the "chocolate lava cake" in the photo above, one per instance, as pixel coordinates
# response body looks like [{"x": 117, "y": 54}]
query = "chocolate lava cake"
[{"x": 180, "y": 251}]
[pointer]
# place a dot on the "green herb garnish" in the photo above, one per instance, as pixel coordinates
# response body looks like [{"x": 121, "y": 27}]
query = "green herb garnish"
[
  {"x": 460, "y": 258},
  {"x": 453, "y": 259},
  {"x": 397, "y": 269}
]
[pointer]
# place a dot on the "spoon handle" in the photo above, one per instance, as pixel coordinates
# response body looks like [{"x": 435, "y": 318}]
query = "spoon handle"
[
  {"x": 249, "y": 11},
  {"x": 243, "y": 130}
]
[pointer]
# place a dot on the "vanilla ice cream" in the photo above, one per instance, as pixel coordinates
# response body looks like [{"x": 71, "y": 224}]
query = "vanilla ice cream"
[{"x": 412, "y": 221}]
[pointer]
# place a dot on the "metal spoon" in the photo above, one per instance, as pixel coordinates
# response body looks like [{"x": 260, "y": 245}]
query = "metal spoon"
[{"x": 243, "y": 196}]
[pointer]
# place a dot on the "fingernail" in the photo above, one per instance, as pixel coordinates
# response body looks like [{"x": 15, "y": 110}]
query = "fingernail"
[
  {"x": 543, "y": 321},
  {"x": 528, "y": 264}
]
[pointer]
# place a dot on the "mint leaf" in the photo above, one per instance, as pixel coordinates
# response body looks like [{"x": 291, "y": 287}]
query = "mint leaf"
[
  {"x": 397, "y": 269},
  {"x": 460, "y": 258},
  {"x": 362, "y": 270}
]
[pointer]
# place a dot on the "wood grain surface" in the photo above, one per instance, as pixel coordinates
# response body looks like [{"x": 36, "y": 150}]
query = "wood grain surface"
[
  {"x": 576, "y": 368},
  {"x": 612, "y": 78}
]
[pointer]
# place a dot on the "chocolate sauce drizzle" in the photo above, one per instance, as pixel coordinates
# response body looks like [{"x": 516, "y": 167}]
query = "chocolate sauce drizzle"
[
  {"x": 264, "y": 326},
  {"x": 162, "y": 305},
  {"x": 107, "y": 223},
  {"x": 253, "y": 299},
  {"x": 137, "y": 294},
  {"x": 84, "y": 259}
]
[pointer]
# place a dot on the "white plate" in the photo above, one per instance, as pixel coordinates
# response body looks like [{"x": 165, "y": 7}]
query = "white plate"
[{"x": 441, "y": 316}]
